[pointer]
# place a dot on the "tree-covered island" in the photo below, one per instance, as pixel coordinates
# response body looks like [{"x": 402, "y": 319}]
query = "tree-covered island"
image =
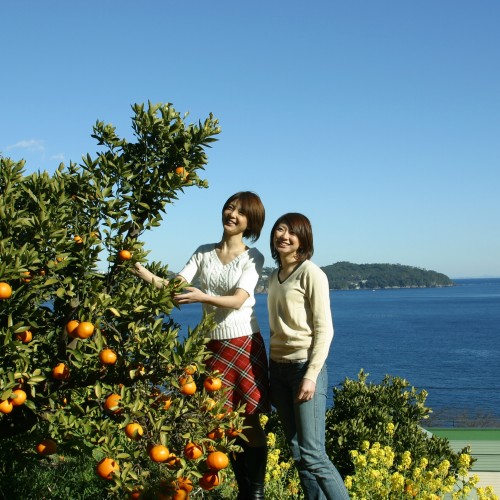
[{"x": 348, "y": 276}]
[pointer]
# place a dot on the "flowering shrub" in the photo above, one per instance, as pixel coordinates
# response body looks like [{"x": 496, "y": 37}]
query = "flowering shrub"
[
  {"x": 379, "y": 474},
  {"x": 282, "y": 479},
  {"x": 362, "y": 411}
]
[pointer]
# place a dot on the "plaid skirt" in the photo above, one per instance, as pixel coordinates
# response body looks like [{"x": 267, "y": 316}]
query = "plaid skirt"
[{"x": 243, "y": 365}]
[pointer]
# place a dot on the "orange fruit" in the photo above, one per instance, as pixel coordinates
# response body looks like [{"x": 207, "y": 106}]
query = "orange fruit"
[
  {"x": 6, "y": 406},
  {"x": 190, "y": 370},
  {"x": 179, "y": 170},
  {"x": 179, "y": 494},
  {"x": 106, "y": 468},
  {"x": 71, "y": 327},
  {"x": 193, "y": 451},
  {"x": 46, "y": 447},
  {"x": 112, "y": 402},
  {"x": 209, "y": 480},
  {"x": 184, "y": 483},
  {"x": 217, "y": 460},
  {"x": 212, "y": 384},
  {"x": 19, "y": 397},
  {"x": 215, "y": 434},
  {"x": 233, "y": 432},
  {"x": 108, "y": 357},
  {"x": 124, "y": 255},
  {"x": 78, "y": 239},
  {"x": 5, "y": 290},
  {"x": 84, "y": 330},
  {"x": 208, "y": 404},
  {"x": 188, "y": 389},
  {"x": 60, "y": 372},
  {"x": 159, "y": 453},
  {"x": 167, "y": 403},
  {"x": 24, "y": 337},
  {"x": 134, "y": 431},
  {"x": 188, "y": 385},
  {"x": 26, "y": 276},
  {"x": 173, "y": 461}
]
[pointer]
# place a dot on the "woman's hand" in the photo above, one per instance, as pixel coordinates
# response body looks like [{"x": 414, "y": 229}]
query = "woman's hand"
[
  {"x": 190, "y": 295},
  {"x": 306, "y": 390},
  {"x": 148, "y": 276}
]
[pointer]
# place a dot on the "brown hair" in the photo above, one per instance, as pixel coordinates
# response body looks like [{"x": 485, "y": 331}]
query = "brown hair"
[
  {"x": 301, "y": 226},
  {"x": 252, "y": 207}
]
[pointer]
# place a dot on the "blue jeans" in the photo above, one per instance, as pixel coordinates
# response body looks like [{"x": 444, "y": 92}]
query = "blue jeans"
[{"x": 304, "y": 427}]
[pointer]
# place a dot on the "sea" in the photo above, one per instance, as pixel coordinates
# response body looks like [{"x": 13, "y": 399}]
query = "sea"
[{"x": 445, "y": 340}]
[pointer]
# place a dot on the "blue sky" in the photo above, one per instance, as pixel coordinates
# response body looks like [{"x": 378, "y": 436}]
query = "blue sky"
[{"x": 379, "y": 120}]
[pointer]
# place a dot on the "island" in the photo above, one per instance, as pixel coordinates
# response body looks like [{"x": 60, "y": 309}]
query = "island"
[{"x": 349, "y": 276}]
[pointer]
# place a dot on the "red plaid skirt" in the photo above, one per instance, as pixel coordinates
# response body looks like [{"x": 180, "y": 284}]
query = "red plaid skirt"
[{"x": 244, "y": 368}]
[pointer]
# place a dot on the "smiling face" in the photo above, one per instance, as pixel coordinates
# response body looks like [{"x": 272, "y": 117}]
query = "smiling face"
[
  {"x": 286, "y": 242},
  {"x": 291, "y": 236},
  {"x": 234, "y": 219}
]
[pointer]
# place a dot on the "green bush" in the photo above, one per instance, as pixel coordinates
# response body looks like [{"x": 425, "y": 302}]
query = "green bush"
[{"x": 362, "y": 411}]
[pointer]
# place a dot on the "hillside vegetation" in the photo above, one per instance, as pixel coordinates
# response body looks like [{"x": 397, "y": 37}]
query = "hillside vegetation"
[{"x": 348, "y": 276}]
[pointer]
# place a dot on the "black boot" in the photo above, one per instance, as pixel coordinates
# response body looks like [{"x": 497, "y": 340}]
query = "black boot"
[
  {"x": 238, "y": 463},
  {"x": 256, "y": 461}
]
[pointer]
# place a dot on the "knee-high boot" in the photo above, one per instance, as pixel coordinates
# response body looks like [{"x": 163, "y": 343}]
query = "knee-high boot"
[
  {"x": 238, "y": 463},
  {"x": 256, "y": 461}
]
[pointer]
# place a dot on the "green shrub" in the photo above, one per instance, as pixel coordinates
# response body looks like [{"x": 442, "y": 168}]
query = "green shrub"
[{"x": 362, "y": 411}]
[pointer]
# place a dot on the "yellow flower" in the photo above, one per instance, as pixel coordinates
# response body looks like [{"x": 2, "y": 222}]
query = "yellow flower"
[
  {"x": 348, "y": 482},
  {"x": 390, "y": 429},
  {"x": 406, "y": 460},
  {"x": 263, "y": 419},
  {"x": 365, "y": 445}
]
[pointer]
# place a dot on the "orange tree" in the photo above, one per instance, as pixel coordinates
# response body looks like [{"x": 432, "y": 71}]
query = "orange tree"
[{"x": 86, "y": 348}]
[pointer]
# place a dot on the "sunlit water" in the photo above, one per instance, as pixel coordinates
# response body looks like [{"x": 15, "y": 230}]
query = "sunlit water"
[{"x": 444, "y": 340}]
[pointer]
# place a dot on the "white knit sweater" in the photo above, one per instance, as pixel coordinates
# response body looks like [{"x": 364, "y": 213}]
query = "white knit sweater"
[{"x": 223, "y": 279}]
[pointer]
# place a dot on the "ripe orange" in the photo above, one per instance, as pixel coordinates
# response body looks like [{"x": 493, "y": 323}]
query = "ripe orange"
[
  {"x": 190, "y": 370},
  {"x": 233, "y": 432},
  {"x": 208, "y": 404},
  {"x": 184, "y": 483},
  {"x": 215, "y": 434},
  {"x": 167, "y": 403},
  {"x": 212, "y": 384},
  {"x": 60, "y": 372},
  {"x": 135, "y": 495},
  {"x": 5, "y": 290},
  {"x": 159, "y": 453},
  {"x": 24, "y": 337},
  {"x": 188, "y": 385},
  {"x": 46, "y": 447},
  {"x": 112, "y": 402},
  {"x": 217, "y": 460},
  {"x": 84, "y": 330},
  {"x": 108, "y": 357},
  {"x": 134, "y": 431},
  {"x": 209, "y": 480},
  {"x": 124, "y": 255},
  {"x": 71, "y": 327},
  {"x": 179, "y": 170},
  {"x": 173, "y": 461},
  {"x": 179, "y": 494},
  {"x": 106, "y": 468},
  {"x": 78, "y": 239},
  {"x": 19, "y": 397},
  {"x": 189, "y": 388},
  {"x": 26, "y": 276},
  {"x": 193, "y": 451},
  {"x": 6, "y": 406}
]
